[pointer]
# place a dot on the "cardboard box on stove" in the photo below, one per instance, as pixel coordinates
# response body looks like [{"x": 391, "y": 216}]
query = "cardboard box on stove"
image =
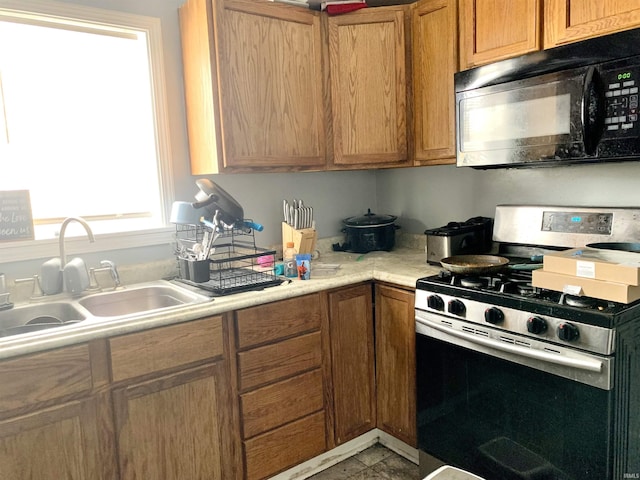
[
  {"x": 605, "y": 290},
  {"x": 598, "y": 264}
]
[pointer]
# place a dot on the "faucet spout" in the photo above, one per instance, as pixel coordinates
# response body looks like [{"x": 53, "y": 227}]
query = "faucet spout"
[{"x": 63, "y": 228}]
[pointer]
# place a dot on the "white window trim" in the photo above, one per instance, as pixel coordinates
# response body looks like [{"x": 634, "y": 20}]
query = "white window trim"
[{"x": 25, "y": 250}]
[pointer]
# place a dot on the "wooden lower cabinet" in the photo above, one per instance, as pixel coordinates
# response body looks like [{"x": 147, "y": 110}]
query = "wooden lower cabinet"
[
  {"x": 54, "y": 415},
  {"x": 59, "y": 442},
  {"x": 170, "y": 427},
  {"x": 224, "y": 397},
  {"x": 282, "y": 384},
  {"x": 352, "y": 361},
  {"x": 396, "y": 362},
  {"x": 173, "y": 408}
]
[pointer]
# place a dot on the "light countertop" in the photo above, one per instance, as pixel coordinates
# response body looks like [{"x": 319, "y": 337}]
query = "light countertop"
[{"x": 402, "y": 267}]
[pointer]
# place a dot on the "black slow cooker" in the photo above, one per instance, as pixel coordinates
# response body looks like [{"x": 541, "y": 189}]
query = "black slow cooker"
[{"x": 368, "y": 232}]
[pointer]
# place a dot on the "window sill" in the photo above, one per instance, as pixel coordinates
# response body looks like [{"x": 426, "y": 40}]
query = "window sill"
[{"x": 37, "y": 249}]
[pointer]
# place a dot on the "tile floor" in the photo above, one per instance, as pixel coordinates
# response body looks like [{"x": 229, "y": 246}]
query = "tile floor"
[{"x": 375, "y": 463}]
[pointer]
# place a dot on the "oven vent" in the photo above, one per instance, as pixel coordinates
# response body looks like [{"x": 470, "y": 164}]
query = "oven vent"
[
  {"x": 447, "y": 323},
  {"x": 474, "y": 331}
]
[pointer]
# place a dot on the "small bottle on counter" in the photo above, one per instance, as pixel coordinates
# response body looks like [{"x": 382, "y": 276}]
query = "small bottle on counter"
[{"x": 289, "y": 259}]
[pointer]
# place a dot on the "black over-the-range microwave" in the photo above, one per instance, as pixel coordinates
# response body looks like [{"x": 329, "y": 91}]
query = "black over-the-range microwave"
[{"x": 570, "y": 104}]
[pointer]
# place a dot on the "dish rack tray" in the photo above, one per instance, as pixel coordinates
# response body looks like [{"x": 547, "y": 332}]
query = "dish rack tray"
[{"x": 236, "y": 264}]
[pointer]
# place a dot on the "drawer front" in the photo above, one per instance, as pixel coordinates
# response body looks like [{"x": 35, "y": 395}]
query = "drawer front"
[
  {"x": 164, "y": 348},
  {"x": 270, "y": 363},
  {"x": 278, "y": 320},
  {"x": 296, "y": 442},
  {"x": 45, "y": 376},
  {"x": 274, "y": 405}
]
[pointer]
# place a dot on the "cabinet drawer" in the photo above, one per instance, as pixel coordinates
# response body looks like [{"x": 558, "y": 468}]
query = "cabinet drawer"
[
  {"x": 45, "y": 376},
  {"x": 267, "y": 364},
  {"x": 165, "y": 348},
  {"x": 285, "y": 447},
  {"x": 280, "y": 403},
  {"x": 278, "y": 320}
]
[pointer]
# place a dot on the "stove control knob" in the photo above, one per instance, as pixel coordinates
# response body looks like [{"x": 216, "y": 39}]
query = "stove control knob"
[
  {"x": 568, "y": 332},
  {"x": 494, "y": 315},
  {"x": 536, "y": 325},
  {"x": 456, "y": 307},
  {"x": 435, "y": 302}
]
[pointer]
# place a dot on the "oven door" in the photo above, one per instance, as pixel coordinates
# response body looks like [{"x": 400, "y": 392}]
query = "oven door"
[{"x": 504, "y": 420}]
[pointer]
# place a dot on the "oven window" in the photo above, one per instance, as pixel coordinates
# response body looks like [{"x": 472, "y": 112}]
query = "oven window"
[{"x": 504, "y": 421}]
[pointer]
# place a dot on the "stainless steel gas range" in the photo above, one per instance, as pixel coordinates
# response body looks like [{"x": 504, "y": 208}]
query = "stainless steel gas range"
[{"x": 516, "y": 382}]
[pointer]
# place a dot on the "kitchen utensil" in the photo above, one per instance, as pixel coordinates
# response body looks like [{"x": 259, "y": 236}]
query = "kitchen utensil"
[
  {"x": 184, "y": 213},
  {"x": 212, "y": 197},
  {"x": 297, "y": 215},
  {"x": 474, "y": 264},
  {"x": 368, "y": 232},
  {"x": 623, "y": 246}
]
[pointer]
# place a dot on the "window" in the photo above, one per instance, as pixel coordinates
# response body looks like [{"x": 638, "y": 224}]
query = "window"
[{"x": 82, "y": 116}]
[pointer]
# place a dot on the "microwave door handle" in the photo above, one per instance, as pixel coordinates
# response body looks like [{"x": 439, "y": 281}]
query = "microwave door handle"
[{"x": 593, "y": 111}]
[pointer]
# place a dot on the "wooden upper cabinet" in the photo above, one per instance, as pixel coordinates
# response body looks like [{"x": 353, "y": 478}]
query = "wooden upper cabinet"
[
  {"x": 493, "y": 30},
  {"x": 435, "y": 60},
  {"x": 253, "y": 86},
  {"x": 568, "y": 21},
  {"x": 368, "y": 69}
]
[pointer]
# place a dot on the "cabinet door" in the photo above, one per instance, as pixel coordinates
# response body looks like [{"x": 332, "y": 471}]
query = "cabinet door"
[
  {"x": 492, "y": 30},
  {"x": 352, "y": 361},
  {"x": 435, "y": 60},
  {"x": 568, "y": 21},
  {"x": 396, "y": 363},
  {"x": 271, "y": 86},
  {"x": 173, "y": 427},
  {"x": 59, "y": 442},
  {"x": 367, "y": 57},
  {"x": 253, "y": 86}
]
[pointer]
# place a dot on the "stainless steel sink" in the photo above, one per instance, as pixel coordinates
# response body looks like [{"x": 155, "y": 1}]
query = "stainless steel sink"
[
  {"x": 31, "y": 318},
  {"x": 139, "y": 299}
]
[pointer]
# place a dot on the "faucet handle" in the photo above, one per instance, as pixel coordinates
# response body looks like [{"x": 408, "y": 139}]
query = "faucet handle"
[
  {"x": 37, "y": 289},
  {"x": 113, "y": 270}
]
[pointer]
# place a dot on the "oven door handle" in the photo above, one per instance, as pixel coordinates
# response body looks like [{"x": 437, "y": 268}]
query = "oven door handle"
[{"x": 584, "y": 363}]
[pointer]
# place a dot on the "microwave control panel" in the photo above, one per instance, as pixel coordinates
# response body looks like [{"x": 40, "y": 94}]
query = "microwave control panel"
[{"x": 621, "y": 89}]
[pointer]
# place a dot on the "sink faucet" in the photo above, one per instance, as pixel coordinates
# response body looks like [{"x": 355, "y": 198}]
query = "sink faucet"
[
  {"x": 63, "y": 228},
  {"x": 113, "y": 270}
]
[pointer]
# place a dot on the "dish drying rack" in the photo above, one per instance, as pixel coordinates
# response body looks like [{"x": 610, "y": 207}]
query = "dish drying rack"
[{"x": 236, "y": 264}]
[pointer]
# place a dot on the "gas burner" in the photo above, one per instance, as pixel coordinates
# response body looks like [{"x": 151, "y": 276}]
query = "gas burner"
[
  {"x": 474, "y": 282},
  {"x": 527, "y": 290},
  {"x": 580, "y": 302}
]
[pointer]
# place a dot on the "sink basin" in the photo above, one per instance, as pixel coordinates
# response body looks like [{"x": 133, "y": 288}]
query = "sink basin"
[
  {"x": 138, "y": 299},
  {"x": 30, "y": 318}
]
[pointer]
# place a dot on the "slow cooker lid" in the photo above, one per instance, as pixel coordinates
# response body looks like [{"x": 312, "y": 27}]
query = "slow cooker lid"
[{"x": 370, "y": 219}]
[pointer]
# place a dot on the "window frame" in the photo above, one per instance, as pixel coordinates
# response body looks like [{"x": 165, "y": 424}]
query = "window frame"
[{"x": 26, "y": 250}]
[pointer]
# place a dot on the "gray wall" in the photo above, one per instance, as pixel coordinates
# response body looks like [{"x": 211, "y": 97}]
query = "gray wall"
[{"x": 429, "y": 197}]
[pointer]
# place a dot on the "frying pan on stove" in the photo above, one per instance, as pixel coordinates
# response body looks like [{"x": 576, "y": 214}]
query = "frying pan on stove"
[{"x": 474, "y": 264}]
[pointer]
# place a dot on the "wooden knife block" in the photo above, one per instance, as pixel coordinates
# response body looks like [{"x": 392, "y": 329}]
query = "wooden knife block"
[{"x": 304, "y": 240}]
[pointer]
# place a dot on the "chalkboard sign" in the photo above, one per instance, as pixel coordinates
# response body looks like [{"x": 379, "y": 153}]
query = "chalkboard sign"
[{"x": 16, "y": 222}]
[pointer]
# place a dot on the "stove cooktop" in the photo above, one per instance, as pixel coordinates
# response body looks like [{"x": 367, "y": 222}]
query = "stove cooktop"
[{"x": 514, "y": 290}]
